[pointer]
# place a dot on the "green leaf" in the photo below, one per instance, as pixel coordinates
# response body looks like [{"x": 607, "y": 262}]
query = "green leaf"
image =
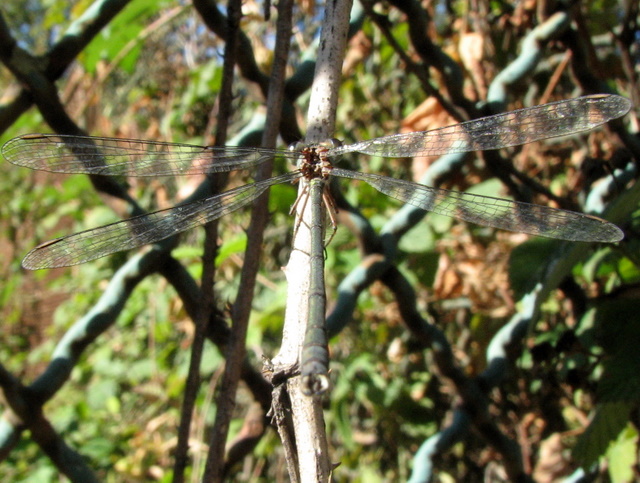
[
  {"x": 528, "y": 262},
  {"x": 623, "y": 455},
  {"x": 609, "y": 420},
  {"x": 231, "y": 247},
  {"x": 603, "y": 262},
  {"x": 617, "y": 327},
  {"x": 419, "y": 239},
  {"x": 281, "y": 198},
  {"x": 100, "y": 393},
  {"x": 124, "y": 28},
  {"x": 629, "y": 271}
]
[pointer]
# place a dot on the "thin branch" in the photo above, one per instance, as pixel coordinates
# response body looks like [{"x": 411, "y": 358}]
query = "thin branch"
[
  {"x": 225, "y": 399},
  {"x": 259, "y": 217},
  {"x": 206, "y": 305},
  {"x": 311, "y": 443}
]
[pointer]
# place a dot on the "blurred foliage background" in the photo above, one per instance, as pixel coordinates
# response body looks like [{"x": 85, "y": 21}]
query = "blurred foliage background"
[{"x": 153, "y": 72}]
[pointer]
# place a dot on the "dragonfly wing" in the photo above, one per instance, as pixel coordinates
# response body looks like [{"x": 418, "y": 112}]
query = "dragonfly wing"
[
  {"x": 512, "y": 128},
  {"x": 495, "y": 212},
  {"x": 144, "y": 229},
  {"x": 128, "y": 157}
]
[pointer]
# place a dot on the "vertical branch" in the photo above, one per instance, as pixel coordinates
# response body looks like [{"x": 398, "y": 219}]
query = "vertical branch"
[
  {"x": 311, "y": 443},
  {"x": 214, "y": 470},
  {"x": 323, "y": 103},
  {"x": 225, "y": 404}
]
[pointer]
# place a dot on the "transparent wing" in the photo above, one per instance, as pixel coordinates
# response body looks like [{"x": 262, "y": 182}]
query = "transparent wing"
[
  {"x": 499, "y": 131},
  {"x": 495, "y": 212},
  {"x": 144, "y": 229},
  {"x": 129, "y": 157}
]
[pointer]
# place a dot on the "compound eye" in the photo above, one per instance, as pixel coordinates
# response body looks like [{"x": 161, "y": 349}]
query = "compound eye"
[
  {"x": 331, "y": 143},
  {"x": 296, "y": 147}
]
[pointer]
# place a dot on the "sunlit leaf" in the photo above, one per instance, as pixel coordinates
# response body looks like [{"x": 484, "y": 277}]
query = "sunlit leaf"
[
  {"x": 623, "y": 455},
  {"x": 609, "y": 420}
]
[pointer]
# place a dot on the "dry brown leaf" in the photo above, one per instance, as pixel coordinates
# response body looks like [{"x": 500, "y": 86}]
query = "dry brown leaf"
[
  {"x": 471, "y": 49},
  {"x": 427, "y": 116},
  {"x": 359, "y": 49},
  {"x": 475, "y": 272},
  {"x": 552, "y": 462}
]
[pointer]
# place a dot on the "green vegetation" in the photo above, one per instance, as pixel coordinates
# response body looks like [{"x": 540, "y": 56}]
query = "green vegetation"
[{"x": 538, "y": 337}]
